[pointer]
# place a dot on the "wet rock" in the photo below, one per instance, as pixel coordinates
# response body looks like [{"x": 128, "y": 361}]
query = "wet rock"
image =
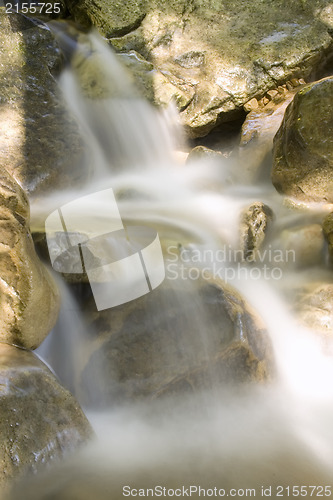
[
  {"x": 29, "y": 298},
  {"x": 328, "y": 232},
  {"x": 303, "y": 146},
  {"x": 226, "y": 53},
  {"x": 40, "y": 143},
  {"x": 185, "y": 335},
  {"x": 258, "y": 131},
  {"x": 40, "y": 421},
  {"x": 254, "y": 224}
]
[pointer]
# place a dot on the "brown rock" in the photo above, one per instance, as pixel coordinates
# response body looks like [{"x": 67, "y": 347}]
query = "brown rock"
[{"x": 29, "y": 299}]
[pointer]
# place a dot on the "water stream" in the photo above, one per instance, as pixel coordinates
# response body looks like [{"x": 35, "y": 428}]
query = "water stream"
[{"x": 279, "y": 433}]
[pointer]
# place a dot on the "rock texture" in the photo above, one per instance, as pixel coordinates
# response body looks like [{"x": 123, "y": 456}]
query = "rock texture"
[
  {"x": 254, "y": 225},
  {"x": 29, "y": 299},
  {"x": 303, "y": 146},
  {"x": 40, "y": 144},
  {"x": 215, "y": 55},
  {"x": 184, "y": 336},
  {"x": 40, "y": 421}
]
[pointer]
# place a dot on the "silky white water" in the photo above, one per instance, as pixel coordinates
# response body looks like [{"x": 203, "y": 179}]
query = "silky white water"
[{"x": 277, "y": 434}]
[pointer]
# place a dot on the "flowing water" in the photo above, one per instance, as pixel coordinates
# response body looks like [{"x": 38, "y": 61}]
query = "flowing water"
[{"x": 254, "y": 436}]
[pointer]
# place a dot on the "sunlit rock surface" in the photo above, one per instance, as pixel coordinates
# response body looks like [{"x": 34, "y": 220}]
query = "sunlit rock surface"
[
  {"x": 29, "y": 299},
  {"x": 303, "y": 146},
  {"x": 40, "y": 421},
  {"x": 183, "y": 336},
  {"x": 217, "y": 54},
  {"x": 40, "y": 144}
]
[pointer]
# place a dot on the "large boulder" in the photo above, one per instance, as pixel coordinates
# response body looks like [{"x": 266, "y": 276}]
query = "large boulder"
[
  {"x": 303, "y": 146},
  {"x": 40, "y": 421},
  {"x": 214, "y": 55},
  {"x": 40, "y": 143},
  {"x": 29, "y": 299},
  {"x": 184, "y": 336}
]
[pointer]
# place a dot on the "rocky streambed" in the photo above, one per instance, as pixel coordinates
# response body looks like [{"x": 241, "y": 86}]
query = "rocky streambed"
[{"x": 252, "y": 85}]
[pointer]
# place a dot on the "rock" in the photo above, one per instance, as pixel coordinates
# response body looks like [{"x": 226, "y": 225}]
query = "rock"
[
  {"x": 328, "y": 232},
  {"x": 258, "y": 131},
  {"x": 185, "y": 335},
  {"x": 226, "y": 53},
  {"x": 303, "y": 243},
  {"x": 29, "y": 298},
  {"x": 254, "y": 224},
  {"x": 40, "y": 421},
  {"x": 314, "y": 308},
  {"x": 203, "y": 153},
  {"x": 303, "y": 146},
  {"x": 40, "y": 143}
]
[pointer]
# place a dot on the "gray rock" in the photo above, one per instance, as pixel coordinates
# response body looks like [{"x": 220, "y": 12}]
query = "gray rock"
[
  {"x": 28, "y": 296},
  {"x": 226, "y": 53},
  {"x": 40, "y": 421},
  {"x": 303, "y": 146},
  {"x": 40, "y": 143}
]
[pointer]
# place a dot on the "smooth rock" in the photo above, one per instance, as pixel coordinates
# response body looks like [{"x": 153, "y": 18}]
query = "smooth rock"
[
  {"x": 29, "y": 299},
  {"x": 40, "y": 422},
  {"x": 185, "y": 335},
  {"x": 303, "y": 146},
  {"x": 40, "y": 143},
  {"x": 225, "y": 52}
]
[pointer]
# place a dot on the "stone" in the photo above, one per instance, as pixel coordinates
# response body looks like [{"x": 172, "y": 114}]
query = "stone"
[
  {"x": 328, "y": 232},
  {"x": 226, "y": 53},
  {"x": 254, "y": 224},
  {"x": 185, "y": 335},
  {"x": 202, "y": 153},
  {"x": 29, "y": 298},
  {"x": 40, "y": 142},
  {"x": 41, "y": 422},
  {"x": 303, "y": 146}
]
